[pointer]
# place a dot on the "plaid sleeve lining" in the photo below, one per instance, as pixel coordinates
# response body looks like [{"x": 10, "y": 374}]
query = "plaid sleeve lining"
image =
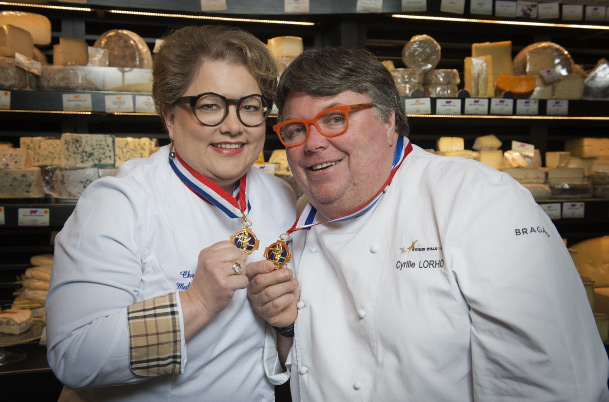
[{"x": 154, "y": 336}]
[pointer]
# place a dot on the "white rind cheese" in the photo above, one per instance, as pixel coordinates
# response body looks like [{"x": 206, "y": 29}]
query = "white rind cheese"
[{"x": 87, "y": 150}]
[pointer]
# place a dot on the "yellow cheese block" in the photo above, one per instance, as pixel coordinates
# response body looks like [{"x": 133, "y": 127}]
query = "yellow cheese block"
[
  {"x": 501, "y": 53},
  {"x": 281, "y": 46},
  {"x": 521, "y": 86},
  {"x": 569, "y": 87},
  {"x": 588, "y": 147},
  {"x": 37, "y": 25},
  {"x": 492, "y": 158},
  {"x": 478, "y": 76},
  {"x": 70, "y": 52},
  {"x": 450, "y": 144},
  {"x": 592, "y": 260},
  {"x": 14, "y": 39}
]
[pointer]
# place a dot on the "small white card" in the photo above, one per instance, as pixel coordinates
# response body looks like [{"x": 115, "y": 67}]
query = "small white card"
[
  {"x": 556, "y": 107},
  {"x": 213, "y": 5},
  {"x": 369, "y": 6},
  {"x": 550, "y": 75},
  {"x": 595, "y": 13},
  {"x": 119, "y": 103},
  {"x": 414, "y": 5},
  {"x": 553, "y": 210},
  {"x": 296, "y": 6},
  {"x": 526, "y": 9},
  {"x": 448, "y": 106},
  {"x": 74, "y": 1},
  {"x": 27, "y": 64},
  {"x": 502, "y": 106},
  {"x": 573, "y": 209},
  {"x": 81, "y": 102},
  {"x": 5, "y": 99},
  {"x": 2, "y": 219},
  {"x": 476, "y": 106},
  {"x": 482, "y": 7},
  {"x": 505, "y": 9},
  {"x": 572, "y": 12},
  {"x": 452, "y": 6},
  {"x": 33, "y": 217},
  {"x": 528, "y": 107},
  {"x": 144, "y": 104},
  {"x": 548, "y": 11},
  {"x": 417, "y": 105},
  {"x": 523, "y": 148}
]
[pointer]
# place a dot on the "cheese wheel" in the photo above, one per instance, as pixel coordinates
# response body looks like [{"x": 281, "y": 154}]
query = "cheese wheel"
[
  {"x": 521, "y": 86},
  {"x": 422, "y": 52},
  {"x": 125, "y": 49},
  {"x": 37, "y": 25},
  {"x": 541, "y": 55}
]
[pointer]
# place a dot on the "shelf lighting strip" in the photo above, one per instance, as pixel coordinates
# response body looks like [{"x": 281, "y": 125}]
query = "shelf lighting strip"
[
  {"x": 46, "y": 111},
  {"x": 501, "y": 22},
  {"x": 47, "y": 6}
]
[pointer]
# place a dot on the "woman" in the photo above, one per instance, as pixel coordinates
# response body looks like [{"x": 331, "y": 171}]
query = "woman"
[{"x": 148, "y": 287}]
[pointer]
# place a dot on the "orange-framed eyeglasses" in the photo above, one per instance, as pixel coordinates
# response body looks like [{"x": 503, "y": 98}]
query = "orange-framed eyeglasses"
[{"x": 331, "y": 122}]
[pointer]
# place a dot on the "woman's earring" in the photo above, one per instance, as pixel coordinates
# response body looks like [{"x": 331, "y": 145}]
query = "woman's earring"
[{"x": 172, "y": 153}]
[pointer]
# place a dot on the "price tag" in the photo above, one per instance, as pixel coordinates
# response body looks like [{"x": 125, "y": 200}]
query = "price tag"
[
  {"x": 476, "y": 106},
  {"x": 119, "y": 103},
  {"x": 414, "y": 5},
  {"x": 296, "y": 6},
  {"x": 527, "y": 107},
  {"x": 556, "y": 107},
  {"x": 448, "y": 106},
  {"x": 573, "y": 209},
  {"x": 595, "y": 13},
  {"x": 144, "y": 104},
  {"x": 526, "y": 9},
  {"x": 505, "y": 9},
  {"x": 523, "y": 148},
  {"x": 548, "y": 11},
  {"x": 2, "y": 219},
  {"x": 77, "y": 102},
  {"x": 213, "y": 5},
  {"x": 5, "y": 99},
  {"x": 369, "y": 6},
  {"x": 552, "y": 210},
  {"x": 502, "y": 106},
  {"x": 483, "y": 7},
  {"x": 27, "y": 64},
  {"x": 572, "y": 12},
  {"x": 452, "y": 6},
  {"x": 550, "y": 75},
  {"x": 33, "y": 217},
  {"x": 417, "y": 105}
]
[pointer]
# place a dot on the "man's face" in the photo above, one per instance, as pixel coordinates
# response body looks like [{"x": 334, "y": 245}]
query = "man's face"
[{"x": 342, "y": 173}]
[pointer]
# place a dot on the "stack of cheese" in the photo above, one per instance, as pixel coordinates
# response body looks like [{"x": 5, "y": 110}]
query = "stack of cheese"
[
  {"x": 18, "y": 178},
  {"x": 285, "y": 49},
  {"x": 489, "y": 60},
  {"x": 408, "y": 80},
  {"x": 441, "y": 83},
  {"x": 35, "y": 285},
  {"x": 421, "y": 54},
  {"x": 552, "y": 70},
  {"x": 592, "y": 156}
]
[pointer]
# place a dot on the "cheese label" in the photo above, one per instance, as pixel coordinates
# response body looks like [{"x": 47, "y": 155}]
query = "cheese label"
[
  {"x": 482, "y": 7},
  {"x": 417, "y": 105},
  {"x": 556, "y": 107},
  {"x": 2, "y": 219},
  {"x": 33, "y": 217},
  {"x": 548, "y": 11},
  {"x": 573, "y": 209},
  {"x": 572, "y": 12},
  {"x": 476, "y": 106},
  {"x": 213, "y": 5},
  {"x": 502, "y": 106},
  {"x": 523, "y": 148},
  {"x": 553, "y": 210},
  {"x": 5, "y": 99},
  {"x": 296, "y": 6},
  {"x": 369, "y": 6},
  {"x": 415, "y": 5},
  {"x": 75, "y": 102},
  {"x": 144, "y": 104},
  {"x": 505, "y": 9},
  {"x": 27, "y": 64},
  {"x": 452, "y": 6},
  {"x": 448, "y": 106},
  {"x": 527, "y": 107},
  {"x": 119, "y": 103},
  {"x": 595, "y": 13}
]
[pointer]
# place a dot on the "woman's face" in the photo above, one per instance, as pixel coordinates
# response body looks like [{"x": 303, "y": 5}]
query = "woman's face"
[{"x": 225, "y": 152}]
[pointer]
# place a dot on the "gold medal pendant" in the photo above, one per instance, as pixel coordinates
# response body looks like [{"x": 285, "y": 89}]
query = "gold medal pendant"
[
  {"x": 245, "y": 239},
  {"x": 278, "y": 253}
]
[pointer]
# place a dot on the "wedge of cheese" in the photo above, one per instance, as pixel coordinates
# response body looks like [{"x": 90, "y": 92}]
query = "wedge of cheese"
[
  {"x": 70, "y": 52},
  {"x": 15, "y": 40},
  {"x": 15, "y": 321},
  {"x": 501, "y": 53},
  {"x": 522, "y": 86},
  {"x": 450, "y": 144},
  {"x": 478, "y": 76},
  {"x": 37, "y": 25}
]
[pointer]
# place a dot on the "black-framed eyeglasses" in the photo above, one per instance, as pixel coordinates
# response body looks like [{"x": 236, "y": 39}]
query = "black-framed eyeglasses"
[
  {"x": 210, "y": 108},
  {"x": 331, "y": 122}
]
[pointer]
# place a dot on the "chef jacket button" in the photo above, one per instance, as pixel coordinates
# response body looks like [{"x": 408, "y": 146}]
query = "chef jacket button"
[
  {"x": 357, "y": 385},
  {"x": 362, "y": 313},
  {"x": 313, "y": 250},
  {"x": 300, "y": 305},
  {"x": 374, "y": 249},
  {"x": 303, "y": 370}
]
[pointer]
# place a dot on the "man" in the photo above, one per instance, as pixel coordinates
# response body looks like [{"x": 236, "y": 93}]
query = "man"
[{"x": 422, "y": 278}]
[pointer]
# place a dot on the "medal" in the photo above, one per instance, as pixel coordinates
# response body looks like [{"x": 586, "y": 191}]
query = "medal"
[
  {"x": 245, "y": 239},
  {"x": 278, "y": 253}
]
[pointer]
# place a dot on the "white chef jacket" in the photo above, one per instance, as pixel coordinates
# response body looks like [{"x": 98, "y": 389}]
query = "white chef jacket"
[
  {"x": 137, "y": 236},
  {"x": 456, "y": 286}
]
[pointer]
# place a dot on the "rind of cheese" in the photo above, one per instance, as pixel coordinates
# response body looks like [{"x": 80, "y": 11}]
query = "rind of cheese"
[
  {"x": 15, "y": 321},
  {"x": 488, "y": 142},
  {"x": 478, "y": 76},
  {"x": 15, "y": 158},
  {"x": 526, "y": 175},
  {"x": 15, "y": 40},
  {"x": 450, "y": 144},
  {"x": 588, "y": 147},
  {"x": 87, "y": 150},
  {"x": 519, "y": 85},
  {"x": 285, "y": 46},
  {"x": 442, "y": 76},
  {"x": 566, "y": 174},
  {"x": 421, "y": 52},
  {"x": 125, "y": 49},
  {"x": 539, "y": 191},
  {"x": 492, "y": 158},
  {"x": 501, "y": 53},
  {"x": 514, "y": 159},
  {"x": 70, "y": 52},
  {"x": 21, "y": 183},
  {"x": 37, "y": 25},
  {"x": 570, "y": 87},
  {"x": 555, "y": 159},
  {"x": 592, "y": 260},
  {"x": 130, "y": 148}
]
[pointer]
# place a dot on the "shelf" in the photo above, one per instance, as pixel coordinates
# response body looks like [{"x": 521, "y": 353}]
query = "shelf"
[{"x": 56, "y": 211}]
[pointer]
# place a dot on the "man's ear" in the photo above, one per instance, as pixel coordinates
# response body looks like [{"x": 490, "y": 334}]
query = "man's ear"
[{"x": 390, "y": 129}]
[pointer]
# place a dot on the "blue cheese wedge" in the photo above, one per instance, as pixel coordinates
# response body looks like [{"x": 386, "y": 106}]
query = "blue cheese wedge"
[
  {"x": 21, "y": 183},
  {"x": 43, "y": 151},
  {"x": 130, "y": 148},
  {"x": 14, "y": 158},
  {"x": 87, "y": 150}
]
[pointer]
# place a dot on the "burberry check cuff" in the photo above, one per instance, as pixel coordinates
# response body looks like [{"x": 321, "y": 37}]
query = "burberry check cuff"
[{"x": 154, "y": 336}]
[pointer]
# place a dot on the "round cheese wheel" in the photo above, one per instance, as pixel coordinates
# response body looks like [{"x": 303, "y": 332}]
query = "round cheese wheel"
[
  {"x": 543, "y": 55},
  {"x": 125, "y": 49},
  {"x": 421, "y": 52}
]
